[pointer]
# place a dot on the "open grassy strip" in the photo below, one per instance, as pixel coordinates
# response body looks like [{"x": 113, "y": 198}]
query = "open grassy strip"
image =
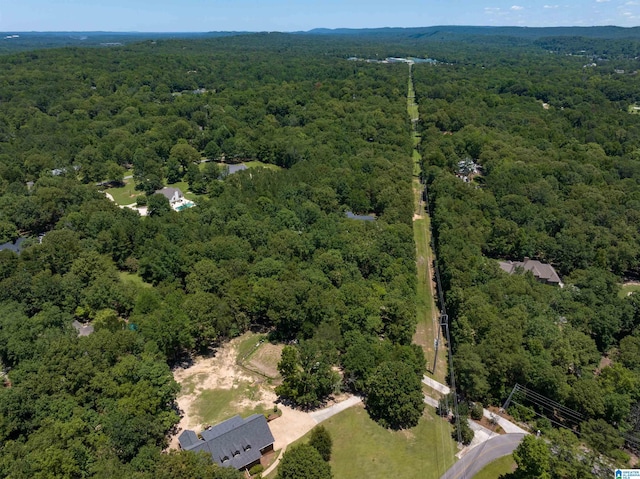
[
  {"x": 248, "y": 346},
  {"x": 362, "y": 448},
  {"x": 416, "y": 162},
  {"x": 260, "y": 164},
  {"x": 248, "y": 164},
  {"x": 497, "y": 468},
  {"x": 427, "y": 329}
]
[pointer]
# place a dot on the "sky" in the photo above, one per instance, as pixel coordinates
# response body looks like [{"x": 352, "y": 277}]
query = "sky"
[{"x": 296, "y": 15}]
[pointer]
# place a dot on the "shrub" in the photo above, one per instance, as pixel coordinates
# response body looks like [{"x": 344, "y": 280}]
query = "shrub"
[
  {"x": 257, "y": 469},
  {"x": 466, "y": 433},
  {"x": 476, "y": 411}
]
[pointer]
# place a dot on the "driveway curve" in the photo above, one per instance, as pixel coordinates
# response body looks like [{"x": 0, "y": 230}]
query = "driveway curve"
[{"x": 476, "y": 459}]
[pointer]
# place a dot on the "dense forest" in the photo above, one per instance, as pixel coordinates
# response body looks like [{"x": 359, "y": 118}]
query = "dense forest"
[
  {"x": 272, "y": 249},
  {"x": 558, "y": 181},
  {"x": 266, "y": 250}
]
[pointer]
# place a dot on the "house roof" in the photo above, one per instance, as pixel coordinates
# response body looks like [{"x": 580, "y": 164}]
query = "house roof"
[
  {"x": 188, "y": 439},
  {"x": 15, "y": 247},
  {"x": 540, "y": 270},
  {"x": 169, "y": 192},
  {"x": 352, "y": 216},
  {"x": 83, "y": 329},
  {"x": 235, "y": 442}
]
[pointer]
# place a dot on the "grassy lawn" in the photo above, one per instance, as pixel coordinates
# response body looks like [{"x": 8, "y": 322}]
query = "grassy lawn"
[
  {"x": 416, "y": 162},
  {"x": 259, "y": 164},
  {"x": 362, "y": 448},
  {"x": 124, "y": 195},
  {"x": 134, "y": 278},
  {"x": 498, "y": 467},
  {"x": 427, "y": 330},
  {"x": 250, "y": 164},
  {"x": 629, "y": 288},
  {"x": 412, "y": 107},
  {"x": 216, "y": 405}
]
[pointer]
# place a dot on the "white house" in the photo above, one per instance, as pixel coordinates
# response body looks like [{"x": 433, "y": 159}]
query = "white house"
[{"x": 174, "y": 195}]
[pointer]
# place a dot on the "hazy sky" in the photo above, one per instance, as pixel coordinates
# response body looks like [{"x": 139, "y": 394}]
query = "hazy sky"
[{"x": 292, "y": 15}]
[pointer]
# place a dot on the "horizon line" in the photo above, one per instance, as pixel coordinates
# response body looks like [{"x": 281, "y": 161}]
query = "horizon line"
[{"x": 312, "y": 29}]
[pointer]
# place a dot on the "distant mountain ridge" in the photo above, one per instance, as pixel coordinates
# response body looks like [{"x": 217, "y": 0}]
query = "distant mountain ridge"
[
  {"x": 543, "y": 37},
  {"x": 610, "y": 31}
]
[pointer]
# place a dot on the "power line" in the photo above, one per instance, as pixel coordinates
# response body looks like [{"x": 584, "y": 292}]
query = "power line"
[
  {"x": 444, "y": 319},
  {"x": 561, "y": 416},
  {"x": 550, "y": 404}
]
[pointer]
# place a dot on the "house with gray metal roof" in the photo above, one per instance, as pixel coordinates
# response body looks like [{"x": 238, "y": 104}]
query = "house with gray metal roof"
[
  {"x": 15, "y": 247},
  {"x": 543, "y": 272},
  {"x": 236, "y": 442}
]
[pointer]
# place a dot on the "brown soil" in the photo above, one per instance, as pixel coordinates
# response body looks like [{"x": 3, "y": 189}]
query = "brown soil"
[
  {"x": 486, "y": 423},
  {"x": 222, "y": 372},
  {"x": 218, "y": 372},
  {"x": 265, "y": 360},
  {"x": 604, "y": 362}
]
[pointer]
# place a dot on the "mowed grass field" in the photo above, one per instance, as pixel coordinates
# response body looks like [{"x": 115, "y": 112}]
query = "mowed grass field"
[
  {"x": 134, "y": 278},
  {"x": 260, "y": 356},
  {"x": 426, "y": 330},
  {"x": 362, "y": 448},
  {"x": 497, "y": 468},
  {"x": 125, "y": 195}
]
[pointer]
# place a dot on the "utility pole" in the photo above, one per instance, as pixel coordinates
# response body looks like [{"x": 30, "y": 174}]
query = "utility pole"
[{"x": 444, "y": 320}]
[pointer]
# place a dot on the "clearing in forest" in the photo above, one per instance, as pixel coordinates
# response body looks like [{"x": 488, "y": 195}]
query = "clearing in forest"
[
  {"x": 427, "y": 328},
  {"x": 216, "y": 388},
  {"x": 219, "y": 387}
]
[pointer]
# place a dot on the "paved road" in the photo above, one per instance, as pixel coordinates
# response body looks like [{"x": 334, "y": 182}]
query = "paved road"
[
  {"x": 507, "y": 425},
  {"x": 480, "y": 456},
  {"x": 324, "y": 414},
  {"x": 433, "y": 384}
]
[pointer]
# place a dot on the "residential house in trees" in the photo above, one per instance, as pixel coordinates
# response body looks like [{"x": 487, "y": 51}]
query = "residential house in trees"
[
  {"x": 543, "y": 272},
  {"x": 174, "y": 195},
  {"x": 236, "y": 442},
  {"x": 176, "y": 199}
]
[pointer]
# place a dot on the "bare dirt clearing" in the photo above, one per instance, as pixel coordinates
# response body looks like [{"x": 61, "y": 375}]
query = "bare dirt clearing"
[{"x": 215, "y": 388}]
